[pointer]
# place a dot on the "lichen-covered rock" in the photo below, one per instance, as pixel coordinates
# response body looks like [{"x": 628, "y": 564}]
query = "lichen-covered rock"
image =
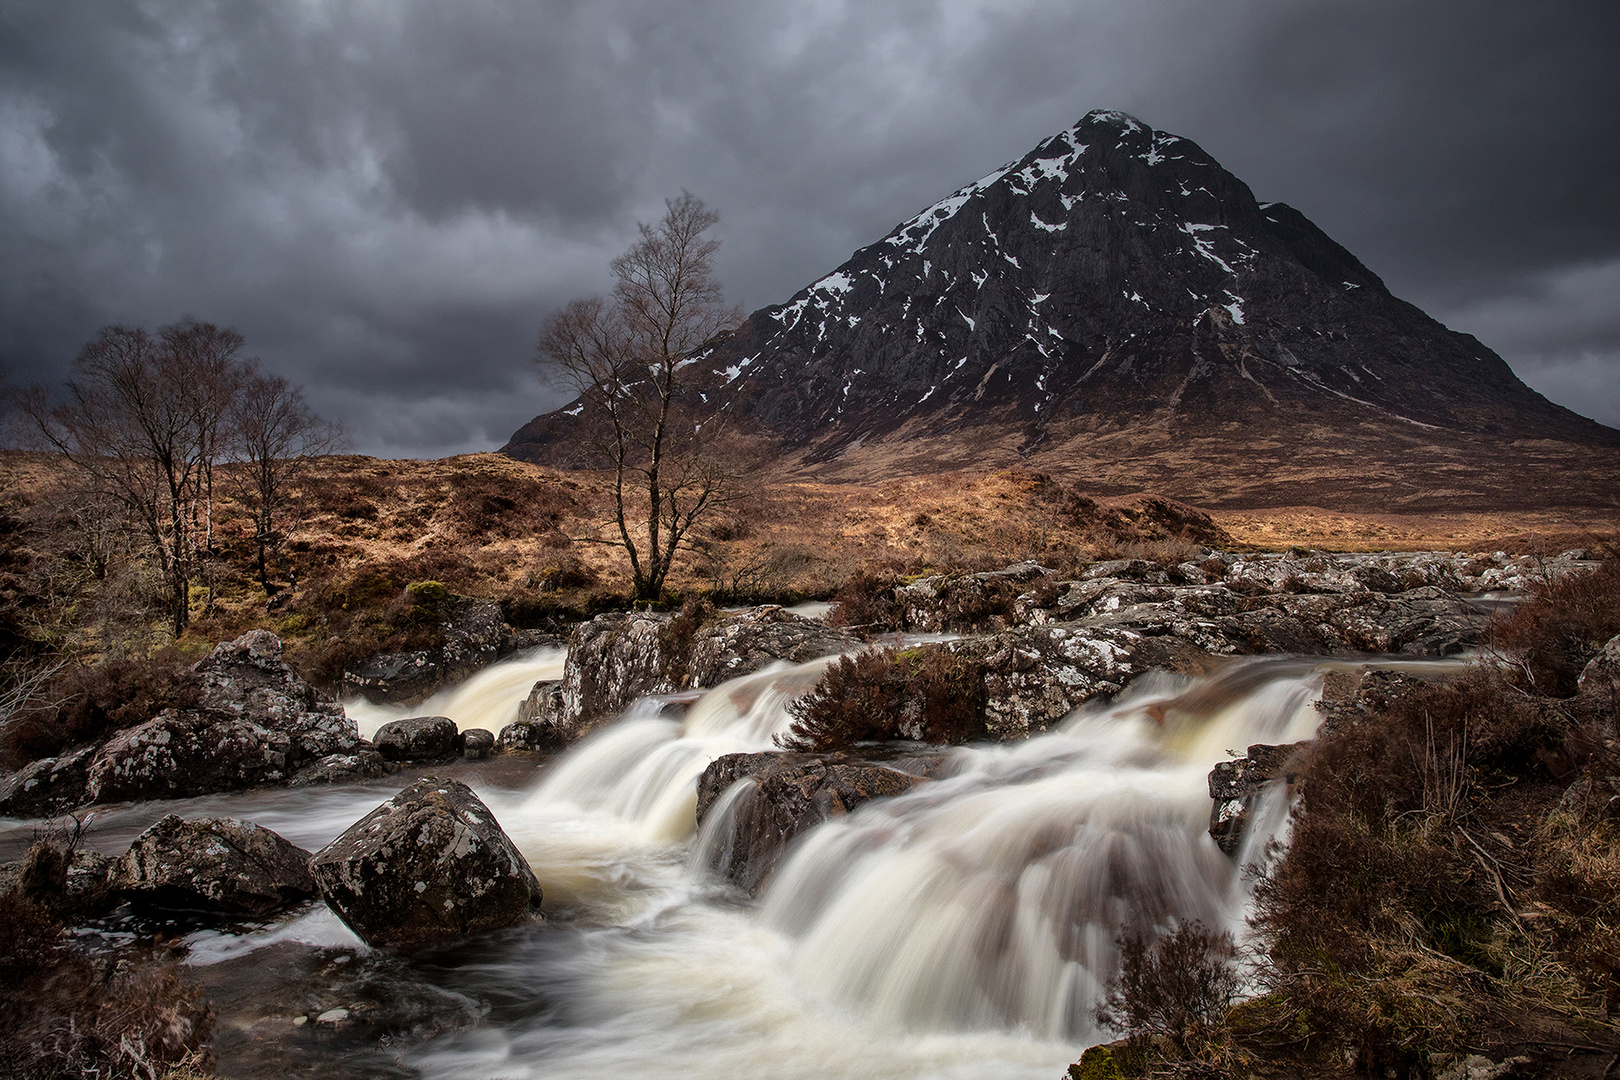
[
  {"x": 1236, "y": 787},
  {"x": 961, "y": 602},
  {"x": 218, "y": 865},
  {"x": 396, "y": 678},
  {"x": 256, "y": 722},
  {"x": 419, "y": 738},
  {"x": 612, "y": 660},
  {"x": 1034, "y": 676},
  {"x": 1600, "y": 677},
  {"x": 247, "y": 679},
  {"x": 185, "y": 752},
  {"x": 788, "y": 794},
  {"x": 530, "y": 735},
  {"x": 749, "y": 641},
  {"x": 364, "y": 764},
  {"x": 47, "y": 786},
  {"x": 430, "y": 863}
]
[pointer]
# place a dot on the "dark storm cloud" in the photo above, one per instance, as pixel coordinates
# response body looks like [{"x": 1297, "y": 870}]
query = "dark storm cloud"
[{"x": 386, "y": 198}]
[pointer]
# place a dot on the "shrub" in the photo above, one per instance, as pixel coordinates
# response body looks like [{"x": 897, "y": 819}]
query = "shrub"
[
  {"x": 86, "y": 704},
  {"x": 66, "y": 1015},
  {"x": 1174, "y": 991},
  {"x": 1565, "y": 622},
  {"x": 675, "y": 636},
  {"x": 927, "y": 693},
  {"x": 867, "y": 601}
]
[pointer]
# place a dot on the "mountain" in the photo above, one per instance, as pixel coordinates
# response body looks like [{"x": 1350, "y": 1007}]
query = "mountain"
[{"x": 1116, "y": 306}]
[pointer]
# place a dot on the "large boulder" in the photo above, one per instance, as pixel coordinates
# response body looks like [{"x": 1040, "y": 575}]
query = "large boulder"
[
  {"x": 218, "y": 865},
  {"x": 613, "y": 659},
  {"x": 247, "y": 679},
  {"x": 789, "y": 793},
  {"x": 185, "y": 752},
  {"x": 256, "y": 722},
  {"x": 420, "y": 738},
  {"x": 430, "y": 863}
]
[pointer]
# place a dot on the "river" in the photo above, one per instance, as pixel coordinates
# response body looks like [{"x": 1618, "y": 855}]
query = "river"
[{"x": 963, "y": 929}]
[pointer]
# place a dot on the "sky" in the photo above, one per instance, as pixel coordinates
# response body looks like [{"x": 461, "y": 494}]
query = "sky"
[{"x": 387, "y": 197}]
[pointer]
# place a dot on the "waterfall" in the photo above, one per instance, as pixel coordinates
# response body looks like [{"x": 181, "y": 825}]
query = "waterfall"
[
  {"x": 487, "y": 700},
  {"x": 988, "y": 899},
  {"x": 994, "y": 897}
]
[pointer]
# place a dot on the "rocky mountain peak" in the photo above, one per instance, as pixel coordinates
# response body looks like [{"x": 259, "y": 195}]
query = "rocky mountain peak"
[{"x": 1115, "y": 278}]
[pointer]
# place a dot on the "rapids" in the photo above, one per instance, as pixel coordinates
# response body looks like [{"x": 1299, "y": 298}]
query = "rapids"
[{"x": 963, "y": 929}]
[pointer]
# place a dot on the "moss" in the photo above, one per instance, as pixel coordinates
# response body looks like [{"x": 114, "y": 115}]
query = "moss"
[{"x": 1097, "y": 1063}]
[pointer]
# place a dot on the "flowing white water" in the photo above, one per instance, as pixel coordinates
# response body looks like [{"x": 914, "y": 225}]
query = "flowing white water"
[
  {"x": 488, "y": 700},
  {"x": 960, "y": 930}
]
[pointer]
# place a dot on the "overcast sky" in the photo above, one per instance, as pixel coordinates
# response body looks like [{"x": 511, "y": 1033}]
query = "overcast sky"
[{"x": 388, "y": 196}]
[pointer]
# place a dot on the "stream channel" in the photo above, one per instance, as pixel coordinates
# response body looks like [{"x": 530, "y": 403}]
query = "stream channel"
[{"x": 963, "y": 929}]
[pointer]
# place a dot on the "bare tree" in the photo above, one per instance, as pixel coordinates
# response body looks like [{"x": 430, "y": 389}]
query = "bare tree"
[
  {"x": 274, "y": 434},
  {"x": 624, "y": 357},
  {"x": 143, "y": 419}
]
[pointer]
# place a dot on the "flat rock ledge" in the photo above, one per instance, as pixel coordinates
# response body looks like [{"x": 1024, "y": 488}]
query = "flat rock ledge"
[
  {"x": 430, "y": 863},
  {"x": 220, "y": 866}
]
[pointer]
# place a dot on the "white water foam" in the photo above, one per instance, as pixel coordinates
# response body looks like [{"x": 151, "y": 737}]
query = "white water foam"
[{"x": 488, "y": 700}]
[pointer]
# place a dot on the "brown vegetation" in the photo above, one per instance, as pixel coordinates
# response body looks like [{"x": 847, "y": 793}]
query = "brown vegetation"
[
  {"x": 70, "y": 1013},
  {"x": 926, "y": 693},
  {"x": 1451, "y": 881}
]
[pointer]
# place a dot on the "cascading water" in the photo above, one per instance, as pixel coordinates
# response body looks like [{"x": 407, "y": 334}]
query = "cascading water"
[
  {"x": 488, "y": 700},
  {"x": 993, "y": 897},
  {"x": 972, "y": 920},
  {"x": 959, "y": 930}
]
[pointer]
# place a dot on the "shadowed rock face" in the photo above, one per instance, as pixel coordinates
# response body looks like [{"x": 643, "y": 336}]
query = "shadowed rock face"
[
  {"x": 430, "y": 863},
  {"x": 1114, "y": 293},
  {"x": 219, "y": 865},
  {"x": 791, "y": 793}
]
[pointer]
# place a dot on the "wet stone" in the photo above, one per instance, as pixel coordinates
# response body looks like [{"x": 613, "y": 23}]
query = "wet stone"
[
  {"x": 428, "y": 864},
  {"x": 218, "y": 865},
  {"x": 420, "y": 738}
]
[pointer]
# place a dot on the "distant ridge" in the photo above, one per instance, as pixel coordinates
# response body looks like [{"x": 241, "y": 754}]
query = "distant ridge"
[{"x": 1116, "y": 306}]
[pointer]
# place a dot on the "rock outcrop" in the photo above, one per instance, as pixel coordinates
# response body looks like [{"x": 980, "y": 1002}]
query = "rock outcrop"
[
  {"x": 1237, "y": 786},
  {"x": 475, "y": 636},
  {"x": 789, "y": 793},
  {"x": 47, "y": 786},
  {"x": 748, "y": 641},
  {"x": 1600, "y": 678},
  {"x": 430, "y": 863},
  {"x": 257, "y": 722},
  {"x": 616, "y": 658},
  {"x": 217, "y": 865}
]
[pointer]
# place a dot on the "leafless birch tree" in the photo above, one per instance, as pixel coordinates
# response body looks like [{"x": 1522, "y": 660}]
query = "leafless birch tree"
[
  {"x": 273, "y": 435},
  {"x": 144, "y": 419},
  {"x": 624, "y": 357}
]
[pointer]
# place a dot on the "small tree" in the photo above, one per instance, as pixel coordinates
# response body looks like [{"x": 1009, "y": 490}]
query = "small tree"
[
  {"x": 273, "y": 434},
  {"x": 624, "y": 357}
]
